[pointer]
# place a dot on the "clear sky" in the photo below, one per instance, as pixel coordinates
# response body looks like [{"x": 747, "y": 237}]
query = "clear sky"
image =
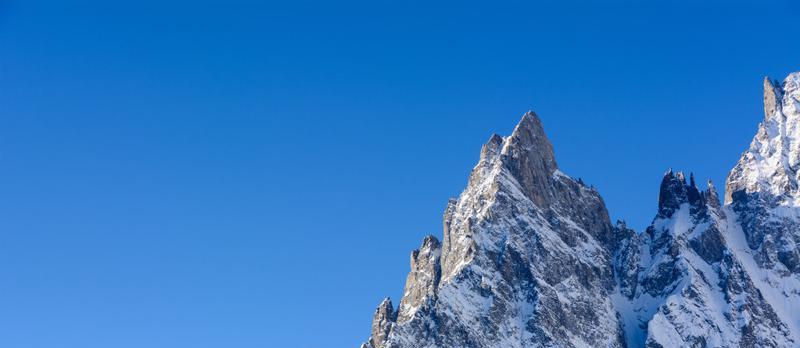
[{"x": 231, "y": 174}]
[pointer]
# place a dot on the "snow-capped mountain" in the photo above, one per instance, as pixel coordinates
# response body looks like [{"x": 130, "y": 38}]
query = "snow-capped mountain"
[{"x": 529, "y": 257}]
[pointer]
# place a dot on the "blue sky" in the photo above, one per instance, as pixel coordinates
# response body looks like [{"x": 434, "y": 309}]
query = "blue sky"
[{"x": 255, "y": 174}]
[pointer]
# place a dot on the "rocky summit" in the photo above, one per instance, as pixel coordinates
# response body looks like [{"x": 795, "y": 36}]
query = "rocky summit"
[{"x": 529, "y": 257}]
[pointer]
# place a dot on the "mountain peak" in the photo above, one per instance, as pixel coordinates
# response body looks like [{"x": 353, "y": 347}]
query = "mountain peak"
[
  {"x": 528, "y": 155},
  {"x": 711, "y": 194},
  {"x": 675, "y": 191},
  {"x": 530, "y": 119},
  {"x": 672, "y": 193},
  {"x": 769, "y": 168},
  {"x": 529, "y": 139}
]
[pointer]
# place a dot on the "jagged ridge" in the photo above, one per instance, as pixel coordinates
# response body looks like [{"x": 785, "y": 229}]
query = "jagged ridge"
[{"x": 529, "y": 257}]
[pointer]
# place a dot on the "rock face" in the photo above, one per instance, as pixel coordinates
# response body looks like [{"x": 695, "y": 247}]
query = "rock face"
[
  {"x": 529, "y": 257},
  {"x": 682, "y": 286},
  {"x": 423, "y": 278},
  {"x": 382, "y": 323}
]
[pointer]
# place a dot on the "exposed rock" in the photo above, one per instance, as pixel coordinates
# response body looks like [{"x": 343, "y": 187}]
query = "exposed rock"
[
  {"x": 382, "y": 324},
  {"x": 769, "y": 168},
  {"x": 530, "y": 159},
  {"x": 772, "y": 97},
  {"x": 711, "y": 196},
  {"x": 529, "y": 257},
  {"x": 423, "y": 279}
]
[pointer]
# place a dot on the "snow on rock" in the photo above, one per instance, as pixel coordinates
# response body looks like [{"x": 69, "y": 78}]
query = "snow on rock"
[
  {"x": 769, "y": 168},
  {"x": 529, "y": 257},
  {"x": 423, "y": 278},
  {"x": 525, "y": 259}
]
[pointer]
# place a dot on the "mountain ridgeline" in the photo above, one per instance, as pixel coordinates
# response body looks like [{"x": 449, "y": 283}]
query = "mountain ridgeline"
[{"x": 530, "y": 258}]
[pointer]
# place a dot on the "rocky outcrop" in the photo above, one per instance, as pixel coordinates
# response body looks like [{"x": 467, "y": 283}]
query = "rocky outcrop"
[
  {"x": 382, "y": 324},
  {"x": 423, "y": 279},
  {"x": 772, "y": 97},
  {"x": 529, "y": 257},
  {"x": 768, "y": 170}
]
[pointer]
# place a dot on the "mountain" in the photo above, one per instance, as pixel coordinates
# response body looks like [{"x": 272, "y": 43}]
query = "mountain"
[{"x": 529, "y": 257}]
